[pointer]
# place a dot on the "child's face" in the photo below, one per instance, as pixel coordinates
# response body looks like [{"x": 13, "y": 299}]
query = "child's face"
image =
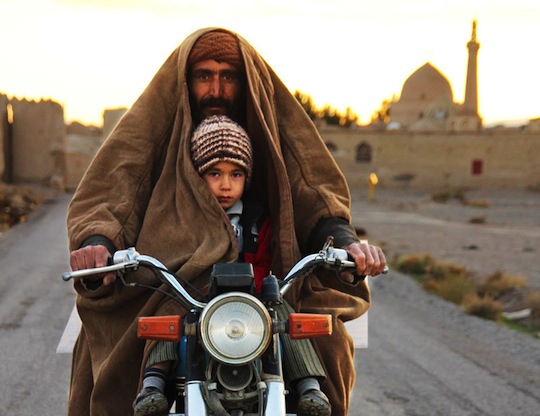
[{"x": 226, "y": 180}]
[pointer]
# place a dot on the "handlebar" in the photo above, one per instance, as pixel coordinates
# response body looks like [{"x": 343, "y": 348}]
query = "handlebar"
[
  {"x": 122, "y": 260},
  {"x": 129, "y": 259}
]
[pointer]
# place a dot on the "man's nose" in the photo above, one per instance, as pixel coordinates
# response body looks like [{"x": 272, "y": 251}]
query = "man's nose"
[{"x": 215, "y": 87}]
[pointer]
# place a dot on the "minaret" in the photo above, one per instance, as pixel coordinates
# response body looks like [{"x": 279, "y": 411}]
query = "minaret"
[{"x": 470, "y": 105}]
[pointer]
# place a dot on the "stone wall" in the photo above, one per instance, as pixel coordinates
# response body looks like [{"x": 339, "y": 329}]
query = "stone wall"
[
  {"x": 491, "y": 159},
  {"x": 80, "y": 150},
  {"x": 3, "y": 134},
  {"x": 38, "y": 142},
  {"x": 111, "y": 117},
  {"x": 37, "y": 147}
]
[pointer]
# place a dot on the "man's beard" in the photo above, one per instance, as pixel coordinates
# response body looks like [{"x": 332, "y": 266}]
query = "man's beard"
[
  {"x": 233, "y": 111},
  {"x": 213, "y": 102}
]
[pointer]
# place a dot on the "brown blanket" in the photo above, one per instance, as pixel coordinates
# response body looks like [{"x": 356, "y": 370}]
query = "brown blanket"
[{"x": 153, "y": 199}]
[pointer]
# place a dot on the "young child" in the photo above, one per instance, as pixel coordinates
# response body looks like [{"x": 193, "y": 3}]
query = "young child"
[{"x": 222, "y": 154}]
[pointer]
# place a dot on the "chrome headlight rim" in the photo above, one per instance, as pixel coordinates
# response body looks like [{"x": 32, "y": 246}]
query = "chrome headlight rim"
[{"x": 220, "y": 302}]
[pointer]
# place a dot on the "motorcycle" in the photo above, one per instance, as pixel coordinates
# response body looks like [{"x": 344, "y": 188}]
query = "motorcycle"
[{"x": 229, "y": 349}]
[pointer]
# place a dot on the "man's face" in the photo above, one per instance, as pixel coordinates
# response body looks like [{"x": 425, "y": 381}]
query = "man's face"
[{"x": 215, "y": 89}]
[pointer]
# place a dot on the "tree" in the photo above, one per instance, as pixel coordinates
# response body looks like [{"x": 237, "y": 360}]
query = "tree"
[
  {"x": 382, "y": 115},
  {"x": 330, "y": 114},
  {"x": 307, "y": 103}
]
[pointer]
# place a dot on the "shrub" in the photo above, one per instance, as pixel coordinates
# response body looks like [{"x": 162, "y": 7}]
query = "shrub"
[
  {"x": 415, "y": 264},
  {"x": 444, "y": 269},
  {"x": 478, "y": 203},
  {"x": 484, "y": 307},
  {"x": 534, "y": 188},
  {"x": 447, "y": 194},
  {"x": 441, "y": 196},
  {"x": 532, "y": 301},
  {"x": 453, "y": 288},
  {"x": 499, "y": 283},
  {"x": 477, "y": 220}
]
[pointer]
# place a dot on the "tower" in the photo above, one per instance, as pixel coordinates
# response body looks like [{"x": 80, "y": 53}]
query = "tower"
[
  {"x": 470, "y": 105},
  {"x": 466, "y": 117}
]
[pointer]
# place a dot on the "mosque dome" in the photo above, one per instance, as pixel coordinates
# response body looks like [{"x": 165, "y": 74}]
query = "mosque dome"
[
  {"x": 426, "y": 84},
  {"x": 425, "y": 88}
]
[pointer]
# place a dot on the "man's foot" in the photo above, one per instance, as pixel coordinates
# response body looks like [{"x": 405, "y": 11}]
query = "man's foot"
[
  {"x": 314, "y": 403},
  {"x": 151, "y": 402}
]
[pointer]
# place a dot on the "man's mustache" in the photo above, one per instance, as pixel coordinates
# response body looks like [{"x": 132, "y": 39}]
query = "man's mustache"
[{"x": 214, "y": 102}]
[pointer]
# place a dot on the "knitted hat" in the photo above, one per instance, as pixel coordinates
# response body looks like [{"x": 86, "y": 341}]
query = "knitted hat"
[
  {"x": 219, "y": 46},
  {"x": 219, "y": 139}
]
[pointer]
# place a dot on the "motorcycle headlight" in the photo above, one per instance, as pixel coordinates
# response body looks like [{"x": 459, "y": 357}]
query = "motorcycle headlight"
[{"x": 235, "y": 328}]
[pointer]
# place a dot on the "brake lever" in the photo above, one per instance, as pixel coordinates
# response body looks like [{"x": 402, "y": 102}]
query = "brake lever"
[{"x": 67, "y": 276}]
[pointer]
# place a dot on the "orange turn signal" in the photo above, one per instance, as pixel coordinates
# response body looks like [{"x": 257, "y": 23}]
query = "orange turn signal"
[
  {"x": 309, "y": 325},
  {"x": 161, "y": 328}
]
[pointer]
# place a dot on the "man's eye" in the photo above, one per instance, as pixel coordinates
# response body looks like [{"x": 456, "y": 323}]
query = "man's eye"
[
  {"x": 201, "y": 76},
  {"x": 229, "y": 76}
]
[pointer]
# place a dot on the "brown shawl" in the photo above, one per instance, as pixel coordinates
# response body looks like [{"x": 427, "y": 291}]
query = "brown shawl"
[{"x": 142, "y": 190}]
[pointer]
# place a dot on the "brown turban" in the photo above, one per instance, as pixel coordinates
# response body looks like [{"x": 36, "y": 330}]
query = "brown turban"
[{"x": 219, "y": 46}]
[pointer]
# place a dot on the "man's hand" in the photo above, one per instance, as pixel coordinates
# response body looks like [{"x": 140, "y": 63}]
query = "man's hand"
[
  {"x": 90, "y": 257},
  {"x": 369, "y": 259}
]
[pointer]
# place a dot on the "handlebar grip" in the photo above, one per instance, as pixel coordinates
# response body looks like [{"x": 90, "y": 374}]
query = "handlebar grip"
[
  {"x": 346, "y": 261},
  {"x": 66, "y": 276}
]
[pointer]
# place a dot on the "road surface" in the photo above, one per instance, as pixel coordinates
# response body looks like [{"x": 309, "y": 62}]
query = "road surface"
[{"x": 425, "y": 357}]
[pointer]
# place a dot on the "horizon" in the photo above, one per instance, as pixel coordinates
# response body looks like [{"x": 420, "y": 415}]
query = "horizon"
[{"x": 90, "y": 56}]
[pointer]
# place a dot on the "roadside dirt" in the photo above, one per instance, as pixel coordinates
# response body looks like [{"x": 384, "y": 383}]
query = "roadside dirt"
[
  {"x": 503, "y": 234},
  {"x": 427, "y": 356}
]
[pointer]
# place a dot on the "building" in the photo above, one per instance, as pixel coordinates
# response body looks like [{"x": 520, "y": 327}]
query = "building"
[
  {"x": 433, "y": 143},
  {"x": 426, "y": 101}
]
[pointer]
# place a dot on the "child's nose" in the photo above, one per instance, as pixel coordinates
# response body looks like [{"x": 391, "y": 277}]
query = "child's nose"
[{"x": 225, "y": 182}]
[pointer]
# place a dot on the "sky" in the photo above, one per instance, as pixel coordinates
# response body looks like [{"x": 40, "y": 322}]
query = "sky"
[{"x": 91, "y": 55}]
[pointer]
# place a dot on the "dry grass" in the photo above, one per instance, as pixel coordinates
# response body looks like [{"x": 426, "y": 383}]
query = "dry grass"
[
  {"x": 16, "y": 203},
  {"x": 532, "y": 301},
  {"x": 453, "y": 288},
  {"x": 444, "y": 269},
  {"x": 448, "y": 194},
  {"x": 454, "y": 283},
  {"x": 414, "y": 264},
  {"x": 499, "y": 283},
  {"x": 483, "y": 306},
  {"x": 478, "y": 203}
]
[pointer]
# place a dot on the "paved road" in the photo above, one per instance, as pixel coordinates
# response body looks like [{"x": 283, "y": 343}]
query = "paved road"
[
  {"x": 34, "y": 307},
  {"x": 425, "y": 356}
]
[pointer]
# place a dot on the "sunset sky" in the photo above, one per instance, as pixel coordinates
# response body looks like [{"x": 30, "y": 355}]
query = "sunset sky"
[{"x": 90, "y": 55}]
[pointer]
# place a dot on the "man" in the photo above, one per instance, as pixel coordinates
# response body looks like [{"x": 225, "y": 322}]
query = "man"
[{"x": 153, "y": 199}]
